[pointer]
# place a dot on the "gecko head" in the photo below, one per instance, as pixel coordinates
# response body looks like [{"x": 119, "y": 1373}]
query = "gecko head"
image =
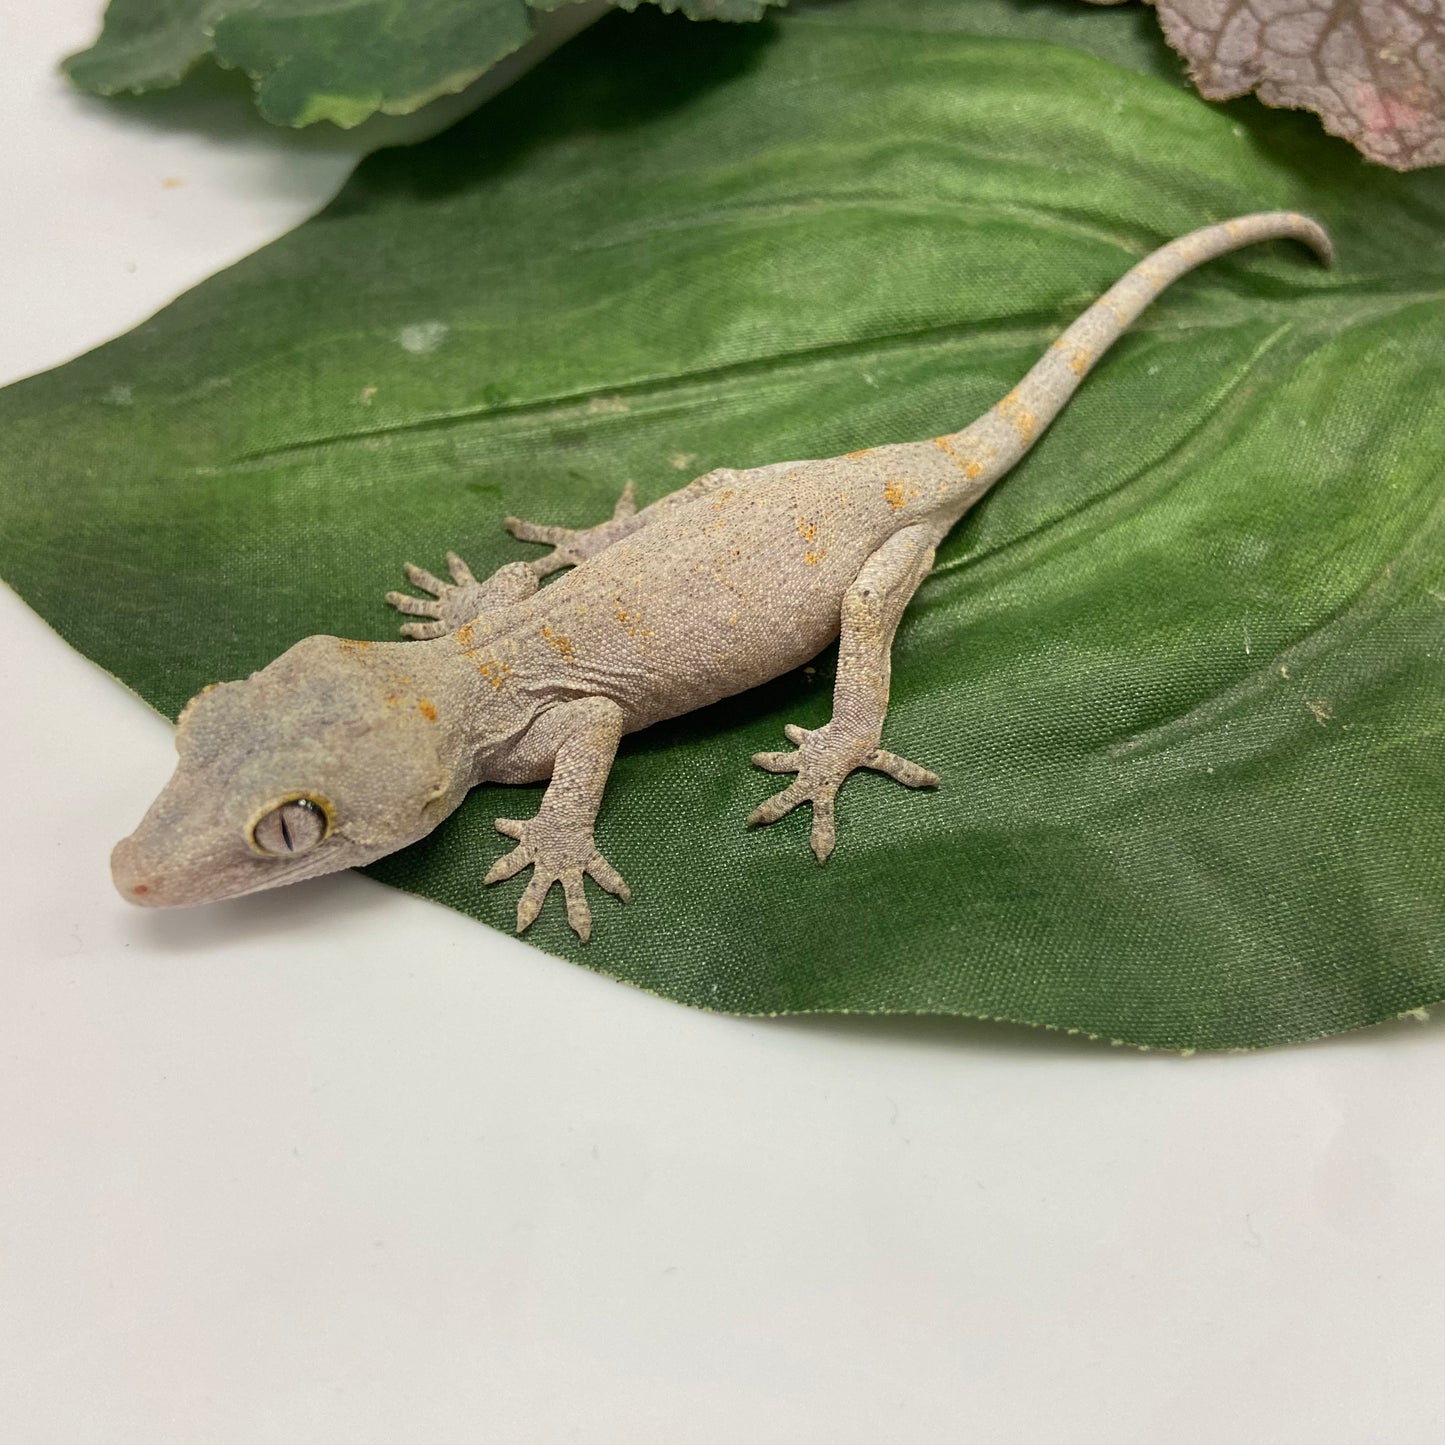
[{"x": 329, "y": 758}]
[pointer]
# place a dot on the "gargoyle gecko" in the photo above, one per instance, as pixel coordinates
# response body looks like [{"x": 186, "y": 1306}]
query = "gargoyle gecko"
[{"x": 340, "y": 752}]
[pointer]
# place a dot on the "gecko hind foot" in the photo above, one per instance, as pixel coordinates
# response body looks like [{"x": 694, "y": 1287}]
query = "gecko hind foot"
[
  {"x": 452, "y": 604},
  {"x": 571, "y": 545},
  {"x": 556, "y": 855},
  {"x": 823, "y": 761}
]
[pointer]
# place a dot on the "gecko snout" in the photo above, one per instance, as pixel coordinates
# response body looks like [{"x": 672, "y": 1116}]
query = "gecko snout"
[{"x": 133, "y": 880}]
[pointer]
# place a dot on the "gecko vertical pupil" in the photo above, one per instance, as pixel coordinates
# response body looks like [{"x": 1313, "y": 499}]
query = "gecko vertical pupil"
[{"x": 290, "y": 827}]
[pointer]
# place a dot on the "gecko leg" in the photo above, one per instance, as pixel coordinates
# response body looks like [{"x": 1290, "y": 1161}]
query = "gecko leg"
[
  {"x": 571, "y": 545},
  {"x": 456, "y": 602},
  {"x": 825, "y": 756},
  {"x": 557, "y": 844}
]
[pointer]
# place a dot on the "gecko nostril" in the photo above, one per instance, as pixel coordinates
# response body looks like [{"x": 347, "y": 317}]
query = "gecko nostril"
[
  {"x": 142, "y": 894},
  {"x": 133, "y": 880}
]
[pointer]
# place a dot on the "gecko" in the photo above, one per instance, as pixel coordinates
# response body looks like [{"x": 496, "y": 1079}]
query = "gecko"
[{"x": 342, "y": 751}]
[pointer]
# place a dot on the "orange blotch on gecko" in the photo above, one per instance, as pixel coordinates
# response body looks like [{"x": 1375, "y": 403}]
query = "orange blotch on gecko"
[
  {"x": 560, "y": 644},
  {"x": 632, "y": 623},
  {"x": 1018, "y": 416},
  {"x": 970, "y": 468},
  {"x": 897, "y": 494}
]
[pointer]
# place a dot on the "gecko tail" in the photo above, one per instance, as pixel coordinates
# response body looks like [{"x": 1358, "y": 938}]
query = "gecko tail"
[{"x": 997, "y": 440}]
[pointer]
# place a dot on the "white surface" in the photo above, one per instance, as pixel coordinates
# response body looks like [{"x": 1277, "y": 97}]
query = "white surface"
[{"x": 334, "y": 1166}]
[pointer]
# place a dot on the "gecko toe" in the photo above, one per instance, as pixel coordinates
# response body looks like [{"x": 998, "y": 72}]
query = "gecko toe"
[
  {"x": 529, "y": 905},
  {"x": 507, "y": 866},
  {"x": 415, "y": 606},
  {"x": 461, "y": 574},
  {"x": 555, "y": 856},
  {"x": 823, "y": 836},
  {"x": 579, "y": 915},
  {"x": 525, "y": 531},
  {"x": 778, "y": 805},
  {"x": 420, "y": 577},
  {"x": 823, "y": 761},
  {"x": 607, "y": 877},
  {"x": 900, "y": 769},
  {"x": 776, "y": 762}
]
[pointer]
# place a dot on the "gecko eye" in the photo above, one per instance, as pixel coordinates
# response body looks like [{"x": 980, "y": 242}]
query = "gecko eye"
[{"x": 290, "y": 827}]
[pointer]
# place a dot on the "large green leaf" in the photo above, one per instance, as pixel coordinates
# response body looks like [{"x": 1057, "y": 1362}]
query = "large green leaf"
[{"x": 1182, "y": 673}]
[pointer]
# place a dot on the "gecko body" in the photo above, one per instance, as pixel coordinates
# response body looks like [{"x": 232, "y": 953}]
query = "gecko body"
[{"x": 343, "y": 751}]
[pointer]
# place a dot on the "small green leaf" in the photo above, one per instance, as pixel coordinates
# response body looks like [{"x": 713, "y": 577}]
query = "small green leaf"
[
  {"x": 1183, "y": 673},
  {"x": 708, "y": 9},
  {"x": 145, "y": 45},
  {"x": 341, "y": 61}
]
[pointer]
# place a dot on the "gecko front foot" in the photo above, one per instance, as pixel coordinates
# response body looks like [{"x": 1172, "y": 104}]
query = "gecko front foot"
[
  {"x": 823, "y": 760},
  {"x": 557, "y": 852},
  {"x": 572, "y": 545},
  {"x": 457, "y": 602}
]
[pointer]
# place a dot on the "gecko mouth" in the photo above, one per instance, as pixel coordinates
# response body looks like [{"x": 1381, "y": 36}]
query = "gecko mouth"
[{"x": 141, "y": 879}]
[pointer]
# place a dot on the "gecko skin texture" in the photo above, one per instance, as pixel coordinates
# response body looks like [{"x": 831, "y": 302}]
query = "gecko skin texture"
[{"x": 340, "y": 751}]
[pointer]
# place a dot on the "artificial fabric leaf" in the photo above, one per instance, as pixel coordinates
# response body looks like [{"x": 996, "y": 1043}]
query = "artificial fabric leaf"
[
  {"x": 1374, "y": 70},
  {"x": 336, "y": 60},
  {"x": 1182, "y": 672}
]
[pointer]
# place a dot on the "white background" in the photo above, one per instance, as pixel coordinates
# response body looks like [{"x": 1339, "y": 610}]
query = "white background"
[{"x": 337, "y": 1165}]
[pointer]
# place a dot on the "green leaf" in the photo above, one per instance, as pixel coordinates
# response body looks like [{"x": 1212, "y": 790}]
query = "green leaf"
[
  {"x": 342, "y": 60},
  {"x": 338, "y": 61},
  {"x": 1182, "y": 673}
]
